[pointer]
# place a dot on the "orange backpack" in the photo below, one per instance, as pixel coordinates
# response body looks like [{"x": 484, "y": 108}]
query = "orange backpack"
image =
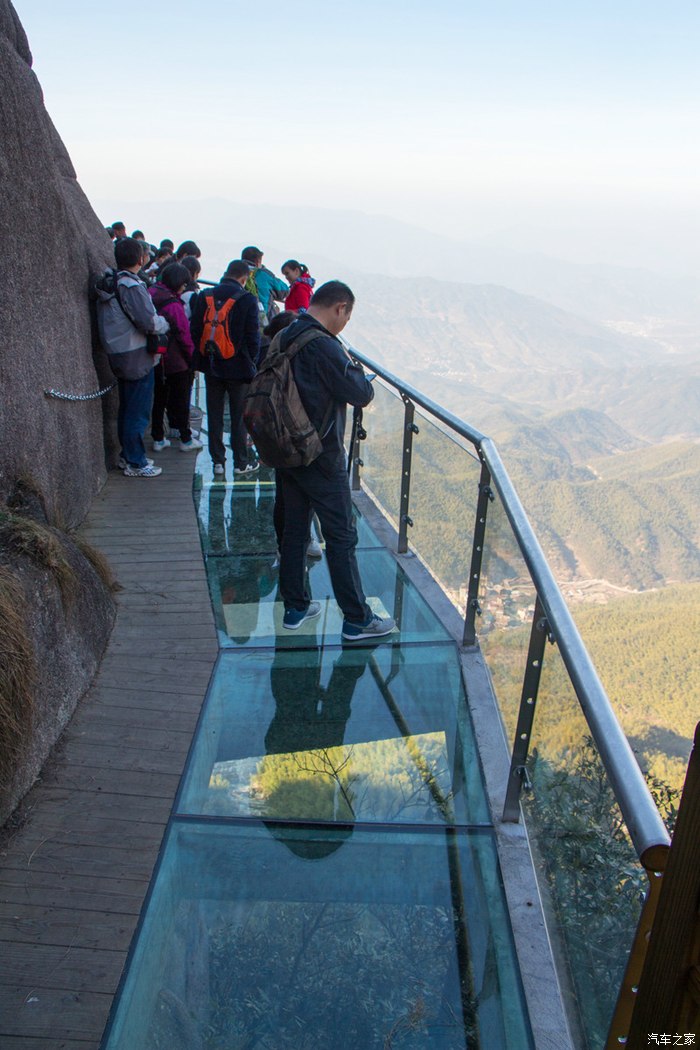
[{"x": 215, "y": 339}]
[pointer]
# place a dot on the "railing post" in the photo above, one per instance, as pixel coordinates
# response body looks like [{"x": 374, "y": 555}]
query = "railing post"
[
  {"x": 531, "y": 683},
  {"x": 473, "y": 609},
  {"x": 409, "y": 429},
  {"x": 358, "y": 434}
]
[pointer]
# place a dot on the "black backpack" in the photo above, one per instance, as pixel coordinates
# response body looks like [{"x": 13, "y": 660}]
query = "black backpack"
[{"x": 273, "y": 411}]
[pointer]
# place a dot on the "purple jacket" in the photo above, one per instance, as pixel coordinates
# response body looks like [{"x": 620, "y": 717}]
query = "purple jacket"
[{"x": 178, "y": 356}]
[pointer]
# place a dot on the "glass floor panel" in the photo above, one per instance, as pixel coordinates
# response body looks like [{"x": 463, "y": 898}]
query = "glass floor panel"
[
  {"x": 343, "y": 939},
  {"x": 329, "y": 878},
  {"x": 236, "y": 518},
  {"x": 369, "y": 734},
  {"x": 248, "y": 610}
]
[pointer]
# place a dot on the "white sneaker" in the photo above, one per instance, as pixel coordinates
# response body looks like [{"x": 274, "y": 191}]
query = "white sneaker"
[
  {"x": 149, "y": 471},
  {"x": 219, "y": 469},
  {"x": 314, "y": 549},
  {"x": 190, "y": 446},
  {"x": 250, "y": 469},
  {"x": 122, "y": 463},
  {"x": 158, "y": 446}
]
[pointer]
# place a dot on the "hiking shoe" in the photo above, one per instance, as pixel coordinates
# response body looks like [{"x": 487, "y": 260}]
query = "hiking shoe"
[
  {"x": 250, "y": 469},
  {"x": 149, "y": 471},
  {"x": 122, "y": 463},
  {"x": 190, "y": 446},
  {"x": 314, "y": 549},
  {"x": 158, "y": 446},
  {"x": 294, "y": 618},
  {"x": 219, "y": 469},
  {"x": 374, "y": 627}
]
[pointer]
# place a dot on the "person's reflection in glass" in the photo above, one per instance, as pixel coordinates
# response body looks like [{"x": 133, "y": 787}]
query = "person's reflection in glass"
[
  {"x": 307, "y": 774},
  {"x": 240, "y": 541}
]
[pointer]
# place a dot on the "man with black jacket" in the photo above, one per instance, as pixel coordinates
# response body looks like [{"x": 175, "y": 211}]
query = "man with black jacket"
[
  {"x": 228, "y": 376},
  {"x": 327, "y": 381}
]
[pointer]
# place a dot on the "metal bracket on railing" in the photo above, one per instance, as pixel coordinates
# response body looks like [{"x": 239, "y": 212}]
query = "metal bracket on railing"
[
  {"x": 410, "y": 429},
  {"x": 526, "y": 715},
  {"x": 473, "y": 608}
]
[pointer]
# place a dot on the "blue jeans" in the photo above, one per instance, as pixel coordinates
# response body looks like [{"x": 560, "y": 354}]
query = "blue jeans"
[
  {"x": 135, "y": 402},
  {"x": 308, "y": 489}
]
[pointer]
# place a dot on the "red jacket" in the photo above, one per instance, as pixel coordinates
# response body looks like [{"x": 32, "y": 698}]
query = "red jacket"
[{"x": 300, "y": 294}]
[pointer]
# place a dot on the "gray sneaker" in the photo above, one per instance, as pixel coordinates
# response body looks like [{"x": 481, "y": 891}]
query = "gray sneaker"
[
  {"x": 374, "y": 627},
  {"x": 294, "y": 618}
]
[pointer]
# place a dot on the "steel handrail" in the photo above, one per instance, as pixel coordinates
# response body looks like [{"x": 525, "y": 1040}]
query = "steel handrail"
[{"x": 646, "y": 828}]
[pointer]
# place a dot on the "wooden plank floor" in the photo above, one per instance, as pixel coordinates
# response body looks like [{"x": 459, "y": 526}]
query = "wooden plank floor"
[{"x": 74, "y": 874}]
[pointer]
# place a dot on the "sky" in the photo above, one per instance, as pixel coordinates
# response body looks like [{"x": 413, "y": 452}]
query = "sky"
[{"x": 567, "y": 127}]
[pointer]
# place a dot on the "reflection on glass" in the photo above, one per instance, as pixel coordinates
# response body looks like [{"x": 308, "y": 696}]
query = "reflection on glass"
[
  {"x": 352, "y": 735},
  {"x": 247, "y": 943},
  {"x": 589, "y": 865},
  {"x": 248, "y": 610},
  {"x": 507, "y": 601},
  {"x": 444, "y": 491},
  {"x": 382, "y": 452}
]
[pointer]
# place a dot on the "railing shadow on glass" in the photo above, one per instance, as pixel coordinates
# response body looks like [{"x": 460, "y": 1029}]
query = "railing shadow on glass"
[{"x": 599, "y": 842}]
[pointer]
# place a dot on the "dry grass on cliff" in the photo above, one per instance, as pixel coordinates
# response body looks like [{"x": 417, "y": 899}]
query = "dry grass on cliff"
[
  {"x": 17, "y": 675},
  {"x": 98, "y": 561},
  {"x": 42, "y": 546}
]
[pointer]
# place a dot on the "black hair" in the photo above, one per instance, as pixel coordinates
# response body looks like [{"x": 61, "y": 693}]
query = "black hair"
[
  {"x": 332, "y": 292},
  {"x": 119, "y": 226},
  {"x": 138, "y": 235},
  {"x": 252, "y": 255},
  {"x": 167, "y": 243},
  {"x": 295, "y": 266},
  {"x": 174, "y": 275},
  {"x": 187, "y": 248},
  {"x": 278, "y": 322},
  {"x": 191, "y": 264},
  {"x": 237, "y": 268},
  {"x": 128, "y": 252},
  {"x": 162, "y": 252}
]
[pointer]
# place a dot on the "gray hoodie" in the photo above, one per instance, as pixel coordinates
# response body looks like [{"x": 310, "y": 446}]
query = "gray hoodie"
[{"x": 123, "y": 328}]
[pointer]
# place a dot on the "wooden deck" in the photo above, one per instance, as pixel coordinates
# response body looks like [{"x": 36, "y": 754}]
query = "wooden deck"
[{"x": 74, "y": 874}]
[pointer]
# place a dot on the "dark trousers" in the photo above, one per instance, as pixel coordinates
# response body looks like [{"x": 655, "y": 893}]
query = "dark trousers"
[
  {"x": 172, "y": 393},
  {"x": 135, "y": 402},
  {"x": 217, "y": 391},
  {"x": 305, "y": 490}
]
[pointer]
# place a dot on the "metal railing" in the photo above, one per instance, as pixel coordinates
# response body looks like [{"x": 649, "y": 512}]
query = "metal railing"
[
  {"x": 551, "y": 622},
  {"x": 646, "y": 828}
]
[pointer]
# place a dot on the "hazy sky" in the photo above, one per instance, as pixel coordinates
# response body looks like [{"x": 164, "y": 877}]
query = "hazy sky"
[{"x": 569, "y": 127}]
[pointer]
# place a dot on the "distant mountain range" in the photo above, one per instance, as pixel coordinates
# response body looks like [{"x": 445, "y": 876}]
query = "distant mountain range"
[{"x": 339, "y": 243}]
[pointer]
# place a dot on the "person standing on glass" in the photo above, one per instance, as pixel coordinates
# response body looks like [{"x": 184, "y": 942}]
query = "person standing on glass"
[{"x": 328, "y": 381}]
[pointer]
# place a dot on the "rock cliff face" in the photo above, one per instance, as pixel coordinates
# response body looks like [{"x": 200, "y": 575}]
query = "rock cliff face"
[
  {"x": 52, "y": 242},
  {"x": 56, "y": 610}
]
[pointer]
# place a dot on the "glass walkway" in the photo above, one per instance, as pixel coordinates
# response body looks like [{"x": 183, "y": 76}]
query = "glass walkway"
[{"x": 329, "y": 876}]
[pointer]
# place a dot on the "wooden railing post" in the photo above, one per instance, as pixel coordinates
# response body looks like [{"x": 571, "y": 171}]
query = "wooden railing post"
[{"x": 668, "y": 995}]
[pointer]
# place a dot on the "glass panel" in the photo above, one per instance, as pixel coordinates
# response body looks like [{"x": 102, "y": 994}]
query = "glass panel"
[
  {"x": 444, "y": 491},
  {"x": 283, "y": 937},
  {"x": 507, "y": 600},
  {"x": 591, "y": 876},
  {"x": 378, "y": 734},
  {"x": 382, "y": 452},
  {"x": 237, "y": 518},
  {"x": 248, "y": 611}
]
